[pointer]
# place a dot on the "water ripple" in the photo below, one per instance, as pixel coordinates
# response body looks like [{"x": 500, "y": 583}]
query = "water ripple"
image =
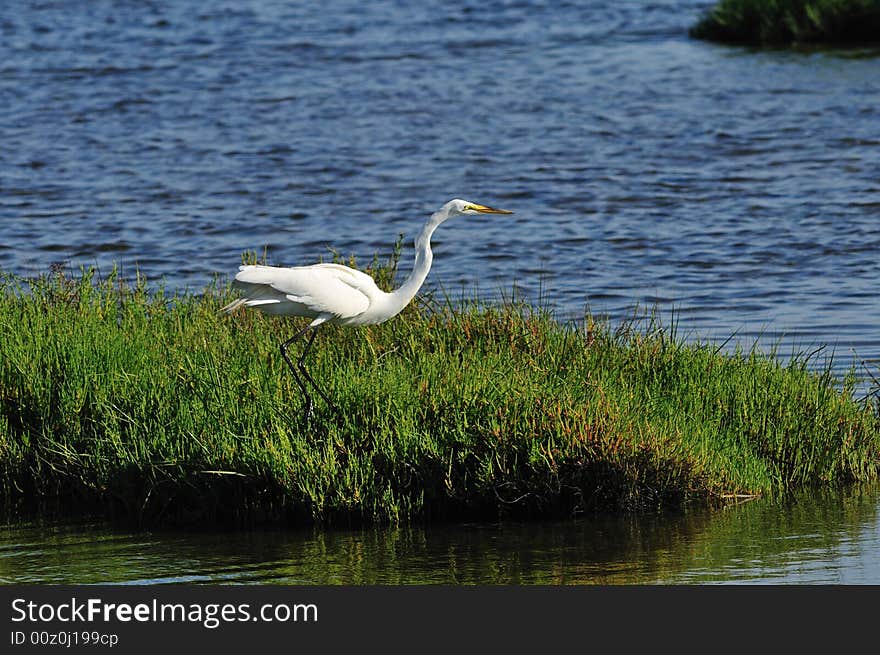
[{"x": 737, "y": 186}]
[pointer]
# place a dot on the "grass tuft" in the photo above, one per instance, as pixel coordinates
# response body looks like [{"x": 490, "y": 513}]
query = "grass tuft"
[{"x": 784, "y": 22}]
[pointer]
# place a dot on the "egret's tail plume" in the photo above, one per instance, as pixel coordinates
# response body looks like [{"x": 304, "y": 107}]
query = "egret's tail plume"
[{"x": 235, "y": 304}]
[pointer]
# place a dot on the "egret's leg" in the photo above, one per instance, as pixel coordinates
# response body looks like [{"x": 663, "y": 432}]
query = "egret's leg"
[
  {"x": 299, "y": 382},
  {"x": 301, "y": 365}
]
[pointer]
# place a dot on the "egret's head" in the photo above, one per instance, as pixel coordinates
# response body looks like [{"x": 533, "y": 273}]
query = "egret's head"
[{"x": 459, "y": 206}]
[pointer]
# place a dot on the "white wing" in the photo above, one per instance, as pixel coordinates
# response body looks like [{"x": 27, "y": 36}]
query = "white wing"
[{"x": 329, "y": 290}]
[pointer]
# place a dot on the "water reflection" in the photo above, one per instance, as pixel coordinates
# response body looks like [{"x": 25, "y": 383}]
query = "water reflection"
[
  {"x": 830, "y": 539},
  {"x": 826, "y": 537}
]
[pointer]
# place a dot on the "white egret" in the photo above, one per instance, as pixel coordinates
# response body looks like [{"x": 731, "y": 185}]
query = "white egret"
[{"x": 333, "y": 293}]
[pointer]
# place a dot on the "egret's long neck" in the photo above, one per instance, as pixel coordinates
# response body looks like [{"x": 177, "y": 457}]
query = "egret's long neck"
[{"x": 401, "y": 296}]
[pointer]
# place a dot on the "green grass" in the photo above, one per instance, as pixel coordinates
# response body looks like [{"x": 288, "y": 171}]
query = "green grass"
[
  {"x": 783, "y": 22},
  {"x": 154, "y": 408}
]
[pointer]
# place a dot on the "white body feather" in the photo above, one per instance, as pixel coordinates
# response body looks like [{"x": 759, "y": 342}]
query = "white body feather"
[{"x": 324, "y": 292}]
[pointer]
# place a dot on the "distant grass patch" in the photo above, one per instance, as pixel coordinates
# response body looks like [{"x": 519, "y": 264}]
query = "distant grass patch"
[
  {"x": 783, "y": 22},
  {"x": 156, "y": 408}
]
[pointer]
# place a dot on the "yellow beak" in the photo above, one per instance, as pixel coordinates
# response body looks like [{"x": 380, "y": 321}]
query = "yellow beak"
[{"x": 488, "y": 210}]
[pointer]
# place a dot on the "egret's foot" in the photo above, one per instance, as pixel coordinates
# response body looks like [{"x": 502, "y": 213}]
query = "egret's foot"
[{"x": 335, "y": 411}]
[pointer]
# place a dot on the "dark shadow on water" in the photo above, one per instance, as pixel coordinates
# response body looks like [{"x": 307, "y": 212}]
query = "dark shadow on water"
[{"x": 825, "y": 537}]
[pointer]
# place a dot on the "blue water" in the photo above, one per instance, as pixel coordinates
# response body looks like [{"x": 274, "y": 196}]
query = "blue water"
[{"x": 737, "y": 187}]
